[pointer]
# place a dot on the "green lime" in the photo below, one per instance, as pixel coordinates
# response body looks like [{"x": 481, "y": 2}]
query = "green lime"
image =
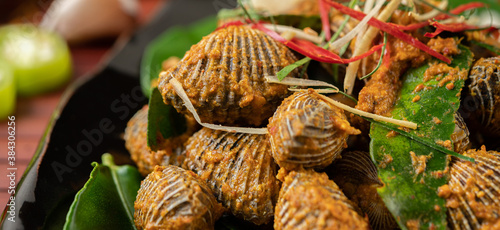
[
  {"x": 7, "y": 91},
  {"x": 40, "y": 59}
]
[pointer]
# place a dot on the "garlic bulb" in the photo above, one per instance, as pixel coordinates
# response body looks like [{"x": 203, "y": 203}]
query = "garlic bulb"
[{"x": 80, "y": 21}]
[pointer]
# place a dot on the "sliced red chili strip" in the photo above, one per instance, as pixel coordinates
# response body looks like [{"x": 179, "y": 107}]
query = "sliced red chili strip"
[
  {"x": 466, "y": 6},
  {"x": 387, "y": 55},
  {"x": 451, "y": 27},
  {"x": 414, "y": 26},
  {"x": 325, "y": 21},
  {"x": 311, "y": 50},
  {"x": 388, "y": 28},
  {"x": 456, "y": 10}
]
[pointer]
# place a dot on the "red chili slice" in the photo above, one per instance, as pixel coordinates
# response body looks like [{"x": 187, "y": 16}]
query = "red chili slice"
[
  {"x": 451, "y": 27},
  {"x": 311, "y": 50},
  {"x": 457, "y": 10},
  {"x": 325, "y": 21},
  {"x": 388, "y": 28}
]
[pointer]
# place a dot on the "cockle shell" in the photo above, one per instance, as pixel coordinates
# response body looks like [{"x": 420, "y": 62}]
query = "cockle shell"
[
  {"x": 309, "y": 200},
  {"x": 168, "y": 152},
  {"x": 473, "y": 192},
  {"x": 223, "y": 76},
  {"x": 173, "y": 198},
  {"x": 460, "y": 136},
  {"x": 239, "y": 169},
  {"x": 306, "y": 131},
  {"x": 357, "y": 176},
  {"x": 485, "y": 90}
]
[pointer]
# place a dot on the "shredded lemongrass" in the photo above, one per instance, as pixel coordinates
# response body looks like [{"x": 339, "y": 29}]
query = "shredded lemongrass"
[
  {"x": 407, "y": 124},
  {"x": 433, "y": 13},
  {"x": 336, "y": 45},
  {"x": 298, "y": 81},
  {"x": 367, "y": 7},
  {"x": 370, "y": 34},
  {"x": 298, "y": 32},
  {"x": 324, "y": 91},
  {"x": 182, "y": 94}
]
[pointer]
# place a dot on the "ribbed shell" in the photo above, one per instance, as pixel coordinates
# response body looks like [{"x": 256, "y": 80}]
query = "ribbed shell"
[
  {"x": 173, "y": 198},
  {"x": 357, "y": 176},
  {"x": 306, "y": 131},
  {"x": 168, "y": 153},
  {"x": 473, "y": 200},
  {"x": 239, "y": 169},
  {"x": 223, "y": 76},
  {"x": 460, "y": 135},
  {"x": 485, "y": 89},
  {"x": 309, "y": 200}
]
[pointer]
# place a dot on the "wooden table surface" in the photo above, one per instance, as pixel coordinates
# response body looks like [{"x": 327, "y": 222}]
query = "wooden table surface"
[{"x": 33, "y": 114}]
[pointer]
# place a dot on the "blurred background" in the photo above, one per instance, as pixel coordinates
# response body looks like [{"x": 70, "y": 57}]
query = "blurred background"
[{"x": 66, "y": 42}]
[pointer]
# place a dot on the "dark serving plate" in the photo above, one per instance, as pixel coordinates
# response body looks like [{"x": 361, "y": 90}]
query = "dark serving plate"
[{"x": 90, "y": 121}]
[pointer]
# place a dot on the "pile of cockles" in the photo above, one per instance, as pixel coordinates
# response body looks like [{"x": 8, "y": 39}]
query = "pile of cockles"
[{"x": 277, "y": 156}]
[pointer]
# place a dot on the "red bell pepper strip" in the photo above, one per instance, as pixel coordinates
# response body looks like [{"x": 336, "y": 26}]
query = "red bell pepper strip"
[
  {"x": 388, "y": 28},
  {"x": 325, "y": 21},
  {"x": 311, "y": 50}
]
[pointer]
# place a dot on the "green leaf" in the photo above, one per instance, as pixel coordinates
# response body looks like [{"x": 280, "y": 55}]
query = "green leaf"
[
  {"x": 289, "y": 68},
  {"x": 173, "y": 42},
  {"x": 106, "y": 201},
  {"x": 408, "y": 195},
  {"x": 163, "y": 120}
]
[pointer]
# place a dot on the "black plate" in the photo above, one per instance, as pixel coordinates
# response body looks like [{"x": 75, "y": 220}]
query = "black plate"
[{"x": 89, "y": 122}]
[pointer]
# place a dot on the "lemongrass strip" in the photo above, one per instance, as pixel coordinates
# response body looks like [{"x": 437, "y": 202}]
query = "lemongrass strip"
[
  {"x": 182, "y": 94},
  {"x": 324, "y": 91},
  {"x": 336, "y": 45},
  {"x": 366, "y": 9},
  {"x": 352, "y": 68},
  {"x": 298, "y": 32},
  {"x": 368, "y": 6},
  {"x": 433, "y": 13},
  {"x": 297, "y": 81},
  {"x": 376, "y": 117}
]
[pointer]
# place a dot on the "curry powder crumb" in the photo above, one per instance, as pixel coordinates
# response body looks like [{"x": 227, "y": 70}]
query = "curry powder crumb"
[{"x": 416, "y": 98}]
